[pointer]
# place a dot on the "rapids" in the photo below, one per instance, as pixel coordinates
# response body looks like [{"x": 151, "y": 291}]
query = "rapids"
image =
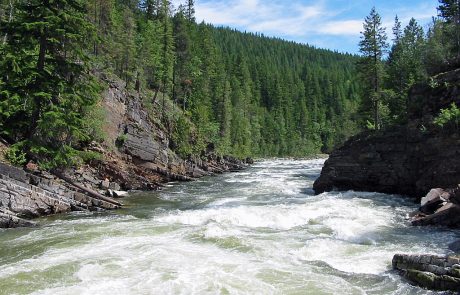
[{"x": 261, "y": 231}]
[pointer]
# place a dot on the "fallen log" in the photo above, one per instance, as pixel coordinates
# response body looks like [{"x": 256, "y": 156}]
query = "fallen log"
[{"x": 88, "y": 191}]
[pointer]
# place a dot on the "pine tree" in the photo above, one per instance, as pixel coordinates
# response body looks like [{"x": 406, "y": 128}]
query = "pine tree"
[
  {"x": 191, "y": 10},
  {"x": 405, "y": 67},
  {"x": 167, "y": 53},
  {"x": 46, "y": 91},
  {"x": 397, "y": 31},
  {"x": 450, "y": 11},
  {"x": 373, "y": 45}
]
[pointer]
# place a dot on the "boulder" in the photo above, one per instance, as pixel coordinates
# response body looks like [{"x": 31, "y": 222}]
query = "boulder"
[
  {"x": 434, "y": 200},
  {"x": 105, "y": 184},
  {"x": 447, "y": 215}
]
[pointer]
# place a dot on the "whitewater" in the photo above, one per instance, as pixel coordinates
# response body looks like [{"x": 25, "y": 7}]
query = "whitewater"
[{"x": 260, "y": 231}]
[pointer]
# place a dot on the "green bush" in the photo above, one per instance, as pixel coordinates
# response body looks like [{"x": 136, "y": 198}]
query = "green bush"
[
  {"x": 16, "y": 155},
  {"x": 120, "y": 141},
  {"x": 448, "y": 118}
]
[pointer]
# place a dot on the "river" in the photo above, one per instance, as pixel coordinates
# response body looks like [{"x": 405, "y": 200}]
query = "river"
[{"x": 260, "y": 231}]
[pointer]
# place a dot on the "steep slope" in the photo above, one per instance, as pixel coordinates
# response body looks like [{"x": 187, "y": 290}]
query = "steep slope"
[{"x": 134, "y": 155}]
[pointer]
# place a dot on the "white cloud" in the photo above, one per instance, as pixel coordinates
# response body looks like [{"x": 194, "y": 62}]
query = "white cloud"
[
  {"x": 327, "y": 23},
  {"x": 346, "y": 27},
  {"x": 290, "y": 19}
]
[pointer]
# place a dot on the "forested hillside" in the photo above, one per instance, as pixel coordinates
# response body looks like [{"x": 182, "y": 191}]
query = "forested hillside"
[{"x": 212, "y": 88}]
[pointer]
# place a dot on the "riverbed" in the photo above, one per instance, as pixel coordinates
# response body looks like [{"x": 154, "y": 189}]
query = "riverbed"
[{"x": 260, "y": 231}]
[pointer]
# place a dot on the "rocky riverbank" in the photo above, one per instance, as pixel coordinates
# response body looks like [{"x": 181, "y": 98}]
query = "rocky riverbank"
[
  {"x": 418, "y": 160},
  {"x": 135, "y": 155}
]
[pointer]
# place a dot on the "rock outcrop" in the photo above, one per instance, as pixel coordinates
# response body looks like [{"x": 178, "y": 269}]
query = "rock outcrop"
[
  {"x": 435, "y": 272},
  {"x": 24, "y": 196},
  {"x": 135, "y": 155},
  {"x": 408, "y": 160},
  {"x": 399, "y": 160},
  {"x": 137, "y": 152}
]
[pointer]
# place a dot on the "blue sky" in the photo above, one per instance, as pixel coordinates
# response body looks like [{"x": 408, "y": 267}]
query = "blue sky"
[{"x": 332, "y": 24}]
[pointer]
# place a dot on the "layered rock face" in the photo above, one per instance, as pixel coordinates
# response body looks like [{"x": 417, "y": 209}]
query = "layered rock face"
[
  {"x": 137, "y": 153},
  {"x": 408, "y": 160},
  {"x": 434, "y": 272},
  {"x": 402, "y": 160},
  {"x": 24, "y": 196}
]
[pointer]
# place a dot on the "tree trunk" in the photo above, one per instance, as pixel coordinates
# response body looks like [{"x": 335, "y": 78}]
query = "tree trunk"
[
  {"x": 90, "y": 192},
  {"x": 40, "y": 69},
  {"x": 10, "y": 18}
]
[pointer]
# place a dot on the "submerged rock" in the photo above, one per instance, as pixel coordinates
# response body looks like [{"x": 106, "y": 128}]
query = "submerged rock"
[{"x": 434, "y": 272}]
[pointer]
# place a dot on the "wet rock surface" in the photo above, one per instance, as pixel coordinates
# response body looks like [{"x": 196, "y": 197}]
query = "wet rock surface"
[{"x": 434, "y": 272}]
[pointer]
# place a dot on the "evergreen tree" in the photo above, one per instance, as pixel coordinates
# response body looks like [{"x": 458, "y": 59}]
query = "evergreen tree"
[
  {"x": 45, "y": 89},
  {"x": 373, "y": 45},
  {"x": 450, "y": 11},
  {"x": 191, "y": 10},
  {"x": 405, "y": 67},
  {"x": 167, "y": 53}
]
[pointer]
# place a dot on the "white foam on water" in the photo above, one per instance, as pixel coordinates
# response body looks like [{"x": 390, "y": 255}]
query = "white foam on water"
[
  {"x": 280, "y": 217},
  {"x": 251, "y": 233}
]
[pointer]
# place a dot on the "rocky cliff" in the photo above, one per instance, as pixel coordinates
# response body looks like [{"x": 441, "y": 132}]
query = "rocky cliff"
[
  {"x": 408, "y": 160},
  {"x": 135, "y": 155}
]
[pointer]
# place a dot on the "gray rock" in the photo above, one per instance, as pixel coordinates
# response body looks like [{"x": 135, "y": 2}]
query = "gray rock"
[
  {"x": 447, "y": 215},
  {"x": 429, "y": 271},
  {"x": 24, "y": 196},
  {"x": 105, "y": 184},
  {"x": 114, "y": 186},
  {"x": 433, "y": 200}
]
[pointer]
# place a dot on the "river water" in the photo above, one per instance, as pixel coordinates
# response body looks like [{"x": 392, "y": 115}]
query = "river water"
[{"x": 261, "y": 231}]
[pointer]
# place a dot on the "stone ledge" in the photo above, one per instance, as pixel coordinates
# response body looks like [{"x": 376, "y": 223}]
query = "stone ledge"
[{"x": 435, "y": 272}]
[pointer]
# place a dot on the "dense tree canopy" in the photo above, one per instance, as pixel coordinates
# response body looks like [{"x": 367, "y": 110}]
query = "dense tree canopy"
[
  {"x": 211, "y": 88},
  {"x": 45, "y": 88}
]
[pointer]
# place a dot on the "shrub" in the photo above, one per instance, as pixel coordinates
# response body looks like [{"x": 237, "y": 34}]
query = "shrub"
[
  {"x": 15, "y": 154},
  {"x": 120, "y": 141},
  {"x": 448, "y": 118}
]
